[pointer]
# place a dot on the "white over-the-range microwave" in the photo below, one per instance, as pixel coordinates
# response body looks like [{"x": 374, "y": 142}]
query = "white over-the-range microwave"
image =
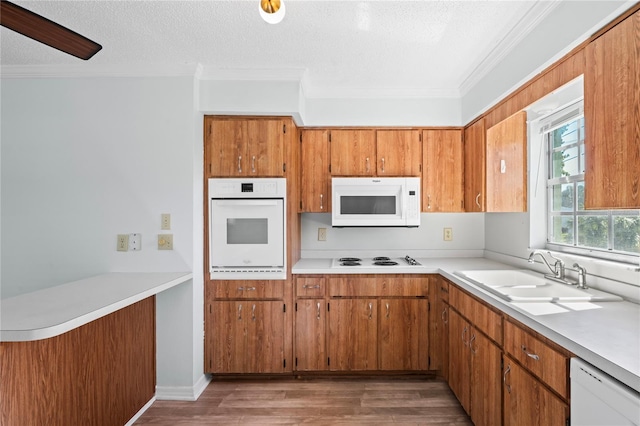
[{"x": 375, "y": 202}]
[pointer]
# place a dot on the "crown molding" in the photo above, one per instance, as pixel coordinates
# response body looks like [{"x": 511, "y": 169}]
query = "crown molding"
[
  {"x": 311, "y": 92},
  {"x": 251, "y": 74},
  {"x": 537, "y": 13},
  {"x": 97, "y": 70}
]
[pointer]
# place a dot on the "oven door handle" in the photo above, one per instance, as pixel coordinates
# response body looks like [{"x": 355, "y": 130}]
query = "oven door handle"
[{"x": 246, "y": 202}]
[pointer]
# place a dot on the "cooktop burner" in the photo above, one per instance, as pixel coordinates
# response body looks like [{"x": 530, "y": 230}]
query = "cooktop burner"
[
  {"x": 350, "y": 263},
  {"x": 384, "y": 262},
  {"x": 381, "y": 259},
  {"x": 349, "y": 259}
]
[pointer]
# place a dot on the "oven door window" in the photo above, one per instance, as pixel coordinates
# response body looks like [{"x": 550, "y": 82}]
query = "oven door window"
[{"x": 246, "y": 233}]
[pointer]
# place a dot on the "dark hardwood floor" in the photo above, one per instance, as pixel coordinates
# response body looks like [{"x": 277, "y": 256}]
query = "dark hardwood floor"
[{"x": 317, "y": 401}]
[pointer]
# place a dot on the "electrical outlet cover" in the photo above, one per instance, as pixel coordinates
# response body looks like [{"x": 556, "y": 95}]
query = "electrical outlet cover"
[
  {"x": 123, "y": 242},
  {"x": 165, "y": 221}
]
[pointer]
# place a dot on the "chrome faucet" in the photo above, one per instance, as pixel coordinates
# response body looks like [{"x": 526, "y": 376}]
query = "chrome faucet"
[
  {"x": 557, "y": 269},
  {"x": 582, "y": 276}
]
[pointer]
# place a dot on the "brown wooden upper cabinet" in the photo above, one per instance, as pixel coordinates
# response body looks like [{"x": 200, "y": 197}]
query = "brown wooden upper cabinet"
[
  {"x": 370, "y": 152},
  {"x": 442, "y": 179},
  {"x": 612, "y": 117},
  {"x": 474, "y": 167},
  {"x": 240, "y": 146},
  {"x": 506, "y": 173},
  {"x": 315, "y": 191}
]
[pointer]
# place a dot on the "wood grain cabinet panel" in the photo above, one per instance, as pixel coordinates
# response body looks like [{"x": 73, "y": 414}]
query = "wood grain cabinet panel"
[
  {"x": 353, "y": 335},
  {"x": 310, "y": 335},
  {"x": 439, "y": 326},
  {"x": 404, "y": 334},
  {"x": 527, "y": 402},
  {"x": 486, "y": 385},
  {"x": 475, "y": 167},
  {"x": 612, "y": 117},
  {"x": 245, "y": 337},
  {"x": 506, "y": 165},
  {"x": 246, "y": 289},
  {"x": 442, "y": 178},
  {"x": 353, "y": 152},
  {"x": 399, "y": 152},
  {"x": 315, "y": 191},
  {"x": 244, "y": 147},
  {"x": 546, "y": 363},
  {"x": 310, "y": 286},
  {"x": 459, "y": 361},
  {"x": 482, "y": 317}
]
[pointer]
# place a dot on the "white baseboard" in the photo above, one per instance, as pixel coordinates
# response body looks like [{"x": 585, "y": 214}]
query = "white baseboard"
[
  {"x": 141, "y": 412},
  {"x": 183, "y": 393}
]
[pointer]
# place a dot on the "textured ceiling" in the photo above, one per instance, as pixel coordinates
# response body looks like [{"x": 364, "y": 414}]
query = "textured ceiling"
[{"x": 401, "y": 47}]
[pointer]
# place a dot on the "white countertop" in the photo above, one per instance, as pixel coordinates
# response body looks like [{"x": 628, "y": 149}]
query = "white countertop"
[
  {"x": 605, "y": 334},
  {"x": 55, "y": 310}
]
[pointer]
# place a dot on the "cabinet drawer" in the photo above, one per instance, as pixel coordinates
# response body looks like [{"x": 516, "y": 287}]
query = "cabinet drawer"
[
  {"x": 247, "y": 289},
  {"x": 480, "y": 315},
  {"x": 546, "y": 363},
  {"x": 310, "y": 286},
  {"x": 403, "y": 286},
  {"x": 352, "y": 287}
]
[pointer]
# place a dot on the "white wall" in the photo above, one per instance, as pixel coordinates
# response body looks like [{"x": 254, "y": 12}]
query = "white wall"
[
  {"x": 423, "y": 241},
  {"x": 85, "y": 159}
]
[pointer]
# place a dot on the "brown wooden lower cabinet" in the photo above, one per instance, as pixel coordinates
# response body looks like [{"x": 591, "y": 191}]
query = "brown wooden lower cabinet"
[
  {"x": 403, "y": 334},
  {"x": 245, "y": 336},
  {"x": 353, "y": 334},
  {"x": 310, "y": 335},
  {"x": 527, "y": 402}
]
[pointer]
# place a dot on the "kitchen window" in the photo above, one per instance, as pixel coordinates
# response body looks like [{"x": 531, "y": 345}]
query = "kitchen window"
[{"x": 613, "y": 234}]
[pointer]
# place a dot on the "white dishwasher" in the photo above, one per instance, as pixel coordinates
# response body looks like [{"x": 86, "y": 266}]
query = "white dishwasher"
[{"x": 598, "y": 399}]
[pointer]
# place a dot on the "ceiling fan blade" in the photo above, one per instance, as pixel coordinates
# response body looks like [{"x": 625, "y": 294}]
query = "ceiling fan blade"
[{"x": 45, "y": 31}]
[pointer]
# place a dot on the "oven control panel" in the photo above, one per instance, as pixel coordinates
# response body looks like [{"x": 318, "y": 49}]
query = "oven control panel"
[{"x": 247, "y": 188}]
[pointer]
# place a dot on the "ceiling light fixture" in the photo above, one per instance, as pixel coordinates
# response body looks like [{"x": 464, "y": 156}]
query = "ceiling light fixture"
[{"x": 272, "y": 11}]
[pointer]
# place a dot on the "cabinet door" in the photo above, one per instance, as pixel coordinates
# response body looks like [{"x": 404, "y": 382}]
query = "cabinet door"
[
  {"x": 459, "y": 362},
  {"x": 404, "y": 334},
  {"x": 245, "y": 337},
  {"x": 353, "y": 335},
  {"x": 474, "y": 167},
  {"x": 311, "y": 352},
  {"x": 316, "y": 181},
  {"x": 439, "y": 327},
  {"x": 353, "y": 152},
  {"x": 265, "y": 148},
  {"x": 399, "y": 152},
  {"x": 442, "y": 186},
  {"x": 611, "y": 87},
  {"x": 507, "y": 165},
  {"x": 225, "y": 147},
  {"x": 486, "y": 385},
  {"x": 527, "y": 402}
]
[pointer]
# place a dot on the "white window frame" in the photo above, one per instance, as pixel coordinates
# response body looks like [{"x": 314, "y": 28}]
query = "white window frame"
[{"x": 554, "y": 120}]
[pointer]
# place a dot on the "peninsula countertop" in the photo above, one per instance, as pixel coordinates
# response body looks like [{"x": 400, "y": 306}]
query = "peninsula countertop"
[
  {"x": 605, "y": 334},
  {"x": 55, "y": 310}
]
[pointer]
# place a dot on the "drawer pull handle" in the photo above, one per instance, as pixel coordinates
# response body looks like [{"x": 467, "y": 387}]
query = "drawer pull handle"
[
  {"x": 253, "y": 313},
  {"x": 246, "y": 289},
  {"x": 463, "y": 333},
  {"x": 477, "y": 202},
  {"x": 382, "y": 164},
  {"x": 253, "y": 164},
  {"x": 239, "y": 312},
  {"x": 321, "y": 202},
  {"x": 367, "y": 164},
  {"x": 387, "y": 310},
  {"x": 533, "y": 356},
  {"x": 239, "y": 163},
  {"x": 444, "y": 289},
  {"x": 309, "y": 286},
  {"x": 504, "y": 378},
  {"x": 318, "y": 311},
  {"x": 444, "y": 315},
  {"x": 370, "y": 310}
]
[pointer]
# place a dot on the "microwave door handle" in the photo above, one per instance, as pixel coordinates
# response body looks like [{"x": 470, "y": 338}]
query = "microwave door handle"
[{"x": 245, "y": 202}]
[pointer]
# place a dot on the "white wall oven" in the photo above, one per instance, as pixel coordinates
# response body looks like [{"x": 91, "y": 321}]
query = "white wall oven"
[
  {"x": 247, "y": 232},
  {"x": 379, "y": 202}
]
